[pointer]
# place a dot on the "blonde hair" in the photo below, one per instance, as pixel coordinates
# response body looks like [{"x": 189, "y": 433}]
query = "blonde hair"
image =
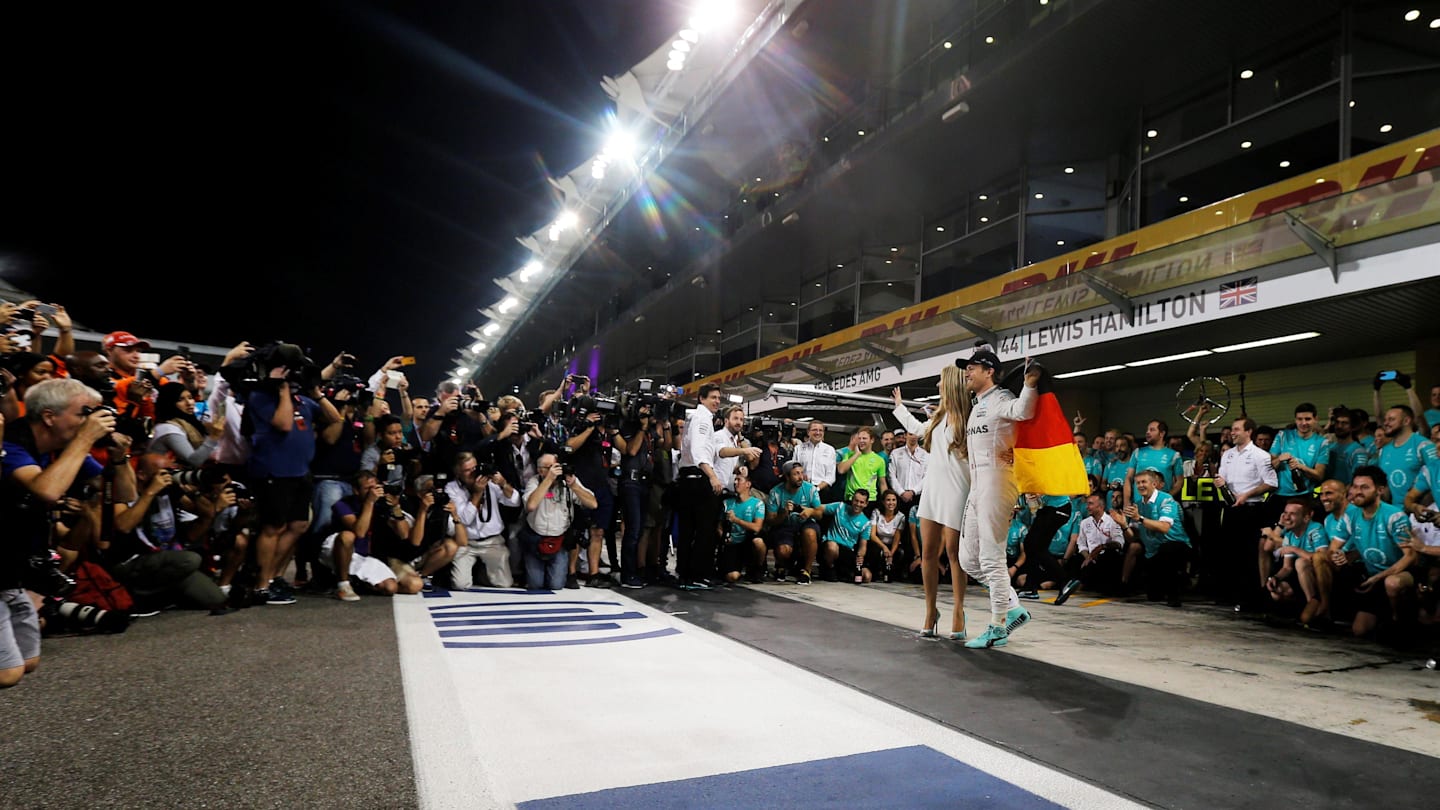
[{"x": 955, "y": 408}]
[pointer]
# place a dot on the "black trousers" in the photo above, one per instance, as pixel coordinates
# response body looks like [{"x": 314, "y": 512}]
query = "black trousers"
[
  {"x": 1239, "y": 532},
  {"x": 1103, "y": 574},
  {"x": 1165, "y": 572},
  {"x": 697, "y": 510},
  {"x": 1039, "y": 562}
]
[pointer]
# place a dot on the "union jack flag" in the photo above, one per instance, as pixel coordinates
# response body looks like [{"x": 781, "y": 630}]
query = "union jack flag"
[{"x": 1239, "y": 293}]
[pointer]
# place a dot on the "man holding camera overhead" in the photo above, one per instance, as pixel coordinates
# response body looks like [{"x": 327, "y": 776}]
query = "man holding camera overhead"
[
  {"x": 46, "y": 455},
  {"x": 282, "y": 447}
]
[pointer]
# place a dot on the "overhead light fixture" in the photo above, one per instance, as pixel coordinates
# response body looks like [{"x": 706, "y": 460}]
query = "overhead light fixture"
[
  {"x": 478, "y": 347},
  {"x": 1255, "y": 344},
  {"x": 1069, "y": 169},
  {"x": 1386, "y": 127},
  {"x": 860, "y": 132},
  {"x": 1101, "y": 370},
  {"x": 989, "y": 40},
  {"x": 1435, "y": 23},
  {"x": 1245, "y": 144},
  {"x": 1412, "y": 15},
  {"x": 689, "y": 35},
  {"x": 839, "y": 265},
  {"x": 462, "y": 371},
  {"x": 826, "y": 139},
  {"x": 1184, "y": 199},
  {"x": 620, "y": 146},
  {"x": 894, "y": 250},
  {"x": 508, "y": 303},
  {"x": 1247, "y": 73},
  {"x": 567, "y": 220},
  {"x": 1154, "y": 133},
  {"x": 947, "y": 46},
  {"x": 1060, "y": 243},
  {"x": 984, "y": 219},
  {"x": 736, "y": 399},
  {"x": 790, "y": 218},
  {"x": 940, "y": 228},
  {"x": 455, "y": 380},
  {"x": 711, "y": 13},
  {"x": 1168, "y": 358},
  {"x": 984, "y": 196},
  {"x": 1284, "y": 164},
  {"x": 1039, "y": 196},
  {"x": 675, "y": 64},
  {"x": 680, "y": 45},
  {"x": 530, "y": 270},
  {"x": 954, "y": 112},
  {"x": 491, "y": 329}
]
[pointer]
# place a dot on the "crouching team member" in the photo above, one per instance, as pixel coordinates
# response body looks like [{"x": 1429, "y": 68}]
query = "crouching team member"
[
  {"x": 792, "y": 510},
  {"x": 744, "y": 519},
  {"x": 1156, "y": 527},
  {"x": 847, "y": 537}
]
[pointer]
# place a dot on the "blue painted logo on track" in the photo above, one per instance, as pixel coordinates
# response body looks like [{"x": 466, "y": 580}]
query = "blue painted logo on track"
[{"x": 525, "y": 618}]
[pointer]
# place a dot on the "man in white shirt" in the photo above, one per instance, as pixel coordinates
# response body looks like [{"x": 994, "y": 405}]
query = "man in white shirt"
[
  {"x": 550, "y": 503},
  {"x": 819, "y": 460},
  {"x": 1101, "y": 544},
  {"x": 697, "y": 493},
  {"x": 731, "y": 446},
  {"x": 1247, "y": 475},
  {"x": 477, "y": 502},
  {"x": 907, "y": 469}
]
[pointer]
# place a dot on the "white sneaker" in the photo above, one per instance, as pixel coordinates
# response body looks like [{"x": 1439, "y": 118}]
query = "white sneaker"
[
  {"x": 225, "y": 589},
  {"x": 346, "y": 593}
]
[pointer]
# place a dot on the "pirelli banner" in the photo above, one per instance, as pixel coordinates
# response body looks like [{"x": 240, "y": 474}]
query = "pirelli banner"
[{"x": 1214, "y": 242}]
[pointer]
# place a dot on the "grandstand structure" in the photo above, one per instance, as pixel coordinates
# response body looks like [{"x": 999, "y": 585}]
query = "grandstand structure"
[{"x": 853, "y": 192}]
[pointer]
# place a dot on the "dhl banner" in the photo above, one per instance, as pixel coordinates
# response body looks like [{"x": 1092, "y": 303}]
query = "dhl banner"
[{"x": 1411, "y": 156}]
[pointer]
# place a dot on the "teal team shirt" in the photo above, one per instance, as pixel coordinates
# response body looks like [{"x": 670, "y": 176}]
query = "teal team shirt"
[
  {"x": 750, "y": 509},
  {"x": 1165, "y": 461},
  {"x": 1380, "y": 539},
  {"x": 1402, "y": 463},
  {"x": 781, "y": 497},
  {"x": 1342, "y": 460},
  {"x": 1161, "y": 506},
  {"x": 1342, "y": 527},
  {"x": 1094, "y": 466},
  {"x": 1115, "y": 474},
  {"x": 1060, "y": 543},
  {"x": 1312, "y": 539},
  {"x": 1308, "y": 450},
  {"x": 1015, "y": 539},
  {"x": 847, "y": 529}
]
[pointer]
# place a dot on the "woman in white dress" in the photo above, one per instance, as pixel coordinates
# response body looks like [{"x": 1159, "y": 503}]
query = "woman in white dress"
[{"x": 947, "y": 486}]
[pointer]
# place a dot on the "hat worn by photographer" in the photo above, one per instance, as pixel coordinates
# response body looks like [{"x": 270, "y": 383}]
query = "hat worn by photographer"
[
  {"x": 122, "y": 340},
  {"x": 983, "y": 356}
]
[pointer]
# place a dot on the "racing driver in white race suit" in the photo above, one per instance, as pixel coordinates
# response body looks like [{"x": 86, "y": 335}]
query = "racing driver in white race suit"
[{"x": 990, "y": 439}]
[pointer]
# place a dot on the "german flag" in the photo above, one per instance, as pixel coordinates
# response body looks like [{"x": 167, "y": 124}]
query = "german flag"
[{"x": 1046, "y": 459}]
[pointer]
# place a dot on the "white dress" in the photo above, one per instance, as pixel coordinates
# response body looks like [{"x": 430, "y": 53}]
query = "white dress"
[{"x": 947, "y": 478}]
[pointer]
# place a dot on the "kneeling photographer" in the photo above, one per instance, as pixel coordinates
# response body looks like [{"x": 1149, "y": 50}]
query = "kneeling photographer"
[
  {"x": 149, "y": 550},
  {"x": 550, "y": 502},
  {"x": 478, "y": 492},
  {"x": 46, "y": 456}
]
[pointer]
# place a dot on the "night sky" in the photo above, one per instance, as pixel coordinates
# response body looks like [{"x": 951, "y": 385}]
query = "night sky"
[{"x": 340, "y": 175}]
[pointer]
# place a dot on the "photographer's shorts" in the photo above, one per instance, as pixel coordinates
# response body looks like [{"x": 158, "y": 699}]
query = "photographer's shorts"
[
  {"x": 283, "y": 500},
  {"x": 368, "y": 570},
  {"x": 19, "y": 629}
]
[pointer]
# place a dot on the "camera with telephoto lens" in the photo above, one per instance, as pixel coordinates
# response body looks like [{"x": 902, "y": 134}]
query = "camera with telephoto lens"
[
  {"x": 437, "y": 491},
  {"x": 470, "y": 400},
  {"x": 104, "y": 441},
  {"x": 645, "y": 392},
  {"x": 582, "y": 406},
  {"x": 252, "y": 373},
  {"x": 43, "y": 576},
  {"x": 203, "y": 479},
  {"x": 73, "y": 617}
]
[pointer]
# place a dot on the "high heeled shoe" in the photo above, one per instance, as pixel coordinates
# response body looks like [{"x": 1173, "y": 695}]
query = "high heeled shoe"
[{"x": 933, "y": 630}]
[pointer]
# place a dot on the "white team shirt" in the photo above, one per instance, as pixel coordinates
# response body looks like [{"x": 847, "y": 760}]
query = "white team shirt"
[{"x": 1245, "y": 468}]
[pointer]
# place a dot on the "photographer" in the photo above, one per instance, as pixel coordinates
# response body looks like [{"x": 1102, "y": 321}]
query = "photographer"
[
  {"x": 282, "y": 447},
  {"x": 588, "y": 451},
  {"x": 641, "y": 441},
  {"x": 177, "y": 432},
  {"x": 368, "y": 520},
  {"x": 337, "y": 459},
  {"x": 45, "y": 456},
  {"x": 392, "y": 461},
  {"x": 454, "y": 423},
  {"x": 433, "y": 537},
  {"x": 549, "y": 511},
  {"x": 477, "y": 493},
  {"x": 149, "y": 551}
]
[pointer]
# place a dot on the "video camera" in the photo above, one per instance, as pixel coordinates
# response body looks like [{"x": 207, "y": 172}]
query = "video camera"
[
  {"x": 767, "y": 425},
  {"x": 252, "y": 372},
  {"x": 360, "y": 396},
  {"x": 660, "y": 399},
  {"x": 582, "y": 406}
]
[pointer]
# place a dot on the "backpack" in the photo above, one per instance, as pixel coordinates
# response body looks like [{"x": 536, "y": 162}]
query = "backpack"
[{"x": 94, "y": 586}]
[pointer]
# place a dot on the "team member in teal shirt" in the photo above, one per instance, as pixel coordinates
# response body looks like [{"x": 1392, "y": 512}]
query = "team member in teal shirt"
[
  {"x": 744, "y": 517},
  {"x": 1380, "y": 537},
  {"x": 1117, "y": 472},
  {"x": 1342, "y": 453},
  {"x": 1094, "y": 463},
  {"x": 1157, "y": 457},
  {"x": 1299, "y": 456},
  {"x": 1293, "y": 542},
  {"x": 844, "y": 543},
  {"x": 1015, "y": 547},
  {"x": 1404, "y": 455},
  {"x": 1155, "y": 525}
]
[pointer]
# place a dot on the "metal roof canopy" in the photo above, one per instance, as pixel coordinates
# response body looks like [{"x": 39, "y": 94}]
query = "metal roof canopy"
[{"x": 1371, "y": 221}]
